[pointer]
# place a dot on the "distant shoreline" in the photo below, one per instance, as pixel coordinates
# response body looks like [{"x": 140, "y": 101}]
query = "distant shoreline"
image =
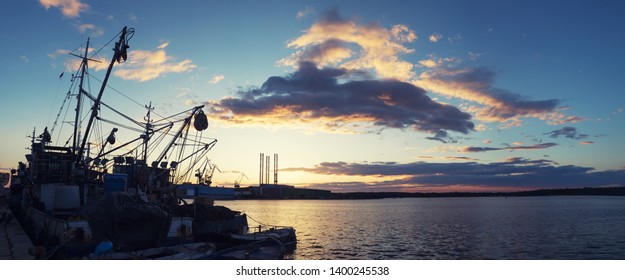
[
  {"x": 611, "y": 191},
  {"x": 600, "y": 191}
]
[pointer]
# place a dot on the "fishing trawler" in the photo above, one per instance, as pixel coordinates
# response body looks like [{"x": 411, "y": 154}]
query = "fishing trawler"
[{"x": 91, "y": 187}]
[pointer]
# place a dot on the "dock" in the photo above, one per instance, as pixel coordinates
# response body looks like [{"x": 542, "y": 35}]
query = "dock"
[{"x": 14, "y": 243}]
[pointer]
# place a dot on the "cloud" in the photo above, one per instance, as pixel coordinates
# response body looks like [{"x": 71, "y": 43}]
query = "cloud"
[
  {"x": 435, "y": 37},
  {"x": 429, "y": 63},
  {"x": 69, "y": 8},
  {"x": 442, "y": 136},
  {"x": 328, "y": 97},
  {"x": 144, "y": 65},
  {"x": 568, "y": 132},
  {"x": 449, "y": 158},
  {"x": 470, "y": 149},
  {"x": 95, "y": 31},
  {"x": 132, "y": 17},
  {"x": 306, "y": 11},
  {"x": 474, "y": 56},
  {"x": 330, "y": 52},
  {"x": 336, "y": 41},
  {"x": 459, "y": 158},
  {"x": 495, "y": 104},
  {"x": 454, "y": 39},
  {"x": 510, "y": 173},
  {"x": 24, "y": 58},
  {"x": 216, "y": 79},
  {"x": 522, "y": 161},
  {"x": 587, "y": 142},
  {"x": 163, "y": 45},
  {"x": 58, "y": 53},
  {"x": 73, "y": 63}
]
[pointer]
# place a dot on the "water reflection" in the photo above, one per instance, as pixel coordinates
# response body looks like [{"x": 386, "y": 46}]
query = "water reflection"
[{"x": 449, "y": 228}]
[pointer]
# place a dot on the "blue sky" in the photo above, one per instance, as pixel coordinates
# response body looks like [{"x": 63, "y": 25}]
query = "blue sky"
[{"x": 353, "y": 95}]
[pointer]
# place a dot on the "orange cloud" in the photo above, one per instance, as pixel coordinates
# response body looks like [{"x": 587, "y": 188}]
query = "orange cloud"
[
  {"x": 435, "y": 37},
  {"x": 429, "y": 63},
  {"x": 143, "y": 65},
  {"x": 334, "y": 41},
  {"x": 216, "y": 79},
  {"x": 73, "y": 63},
  {"x": 494, "y": 104},
  {"x": 69, "y": 8},
  {"x": 275, "y": 117}
]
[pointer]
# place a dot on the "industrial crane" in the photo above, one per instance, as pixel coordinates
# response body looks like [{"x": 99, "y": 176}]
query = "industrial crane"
[
  {"x": 237, "y": 183},
  {"x": 208, "y": 178}
]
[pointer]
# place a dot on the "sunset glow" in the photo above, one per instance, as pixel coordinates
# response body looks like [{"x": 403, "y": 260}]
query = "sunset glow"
[{"x": 405, "y": 97}]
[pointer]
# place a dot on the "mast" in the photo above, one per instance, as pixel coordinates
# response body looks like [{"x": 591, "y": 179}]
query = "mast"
[
  {"x": 147, "y": 133},
  {"x": 78, "y": 99},
  {"x": 120, "y": 54}
]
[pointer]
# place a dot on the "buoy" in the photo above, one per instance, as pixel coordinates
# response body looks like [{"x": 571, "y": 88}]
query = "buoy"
[{"x": 201, "y": 122}]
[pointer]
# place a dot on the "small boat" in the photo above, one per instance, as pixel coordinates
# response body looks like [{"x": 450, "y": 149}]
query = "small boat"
[
  {"x": 268, "y": 249},
  {"x": 286, "y": 235}
]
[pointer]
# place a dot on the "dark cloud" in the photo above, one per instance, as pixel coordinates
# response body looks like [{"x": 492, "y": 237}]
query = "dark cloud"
[
  {"x": 568, "y": 132},
  {"x": 520, "y": 160},
  {"x": 486, "y": 149},
  {"x": 313, "y": 94},
  {"x": 476, "y": 84},
  {"x": 442, "y": 136},
  {"x": 479, "y": 149},
  {"x": 513, "y": 172}
]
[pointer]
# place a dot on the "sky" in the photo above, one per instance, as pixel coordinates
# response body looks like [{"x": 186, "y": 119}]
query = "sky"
[{"x": 411, "y": 96}]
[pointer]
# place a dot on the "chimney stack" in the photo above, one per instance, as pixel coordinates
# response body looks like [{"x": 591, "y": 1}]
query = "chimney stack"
[
  {"x": 260, "y": 177},
  {"x": 267, "y": 169},
  {"x": 275, "y": 169}
]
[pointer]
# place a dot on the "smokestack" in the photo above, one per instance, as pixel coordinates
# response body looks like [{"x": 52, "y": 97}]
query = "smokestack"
[
  {"x": 275, "y": 169},
  {"x": 260, "y": 177},
  {"x": 267, "y": 166}
]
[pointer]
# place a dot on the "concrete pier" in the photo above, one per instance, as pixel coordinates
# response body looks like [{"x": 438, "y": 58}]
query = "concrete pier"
[{"x": 14, "y": 243}]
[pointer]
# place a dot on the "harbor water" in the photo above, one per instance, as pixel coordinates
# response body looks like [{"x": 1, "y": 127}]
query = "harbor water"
[{"x": 547, "y": 227}]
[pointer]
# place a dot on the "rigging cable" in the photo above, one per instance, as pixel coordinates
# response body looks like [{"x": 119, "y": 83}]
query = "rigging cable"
[
  {"x": 114, "y": 110},
  {"x": 67, "y": 97},
  {"x": 107, "y": 43},
  {"x": 126, "y": 96},
  {"x": 62, "y": 123},
  {"x": 59, "y": 87},
  {"x": 120, "y": 125},
  {"x": 158, "y": 140},
  {"x": 58, "y": 115}
]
